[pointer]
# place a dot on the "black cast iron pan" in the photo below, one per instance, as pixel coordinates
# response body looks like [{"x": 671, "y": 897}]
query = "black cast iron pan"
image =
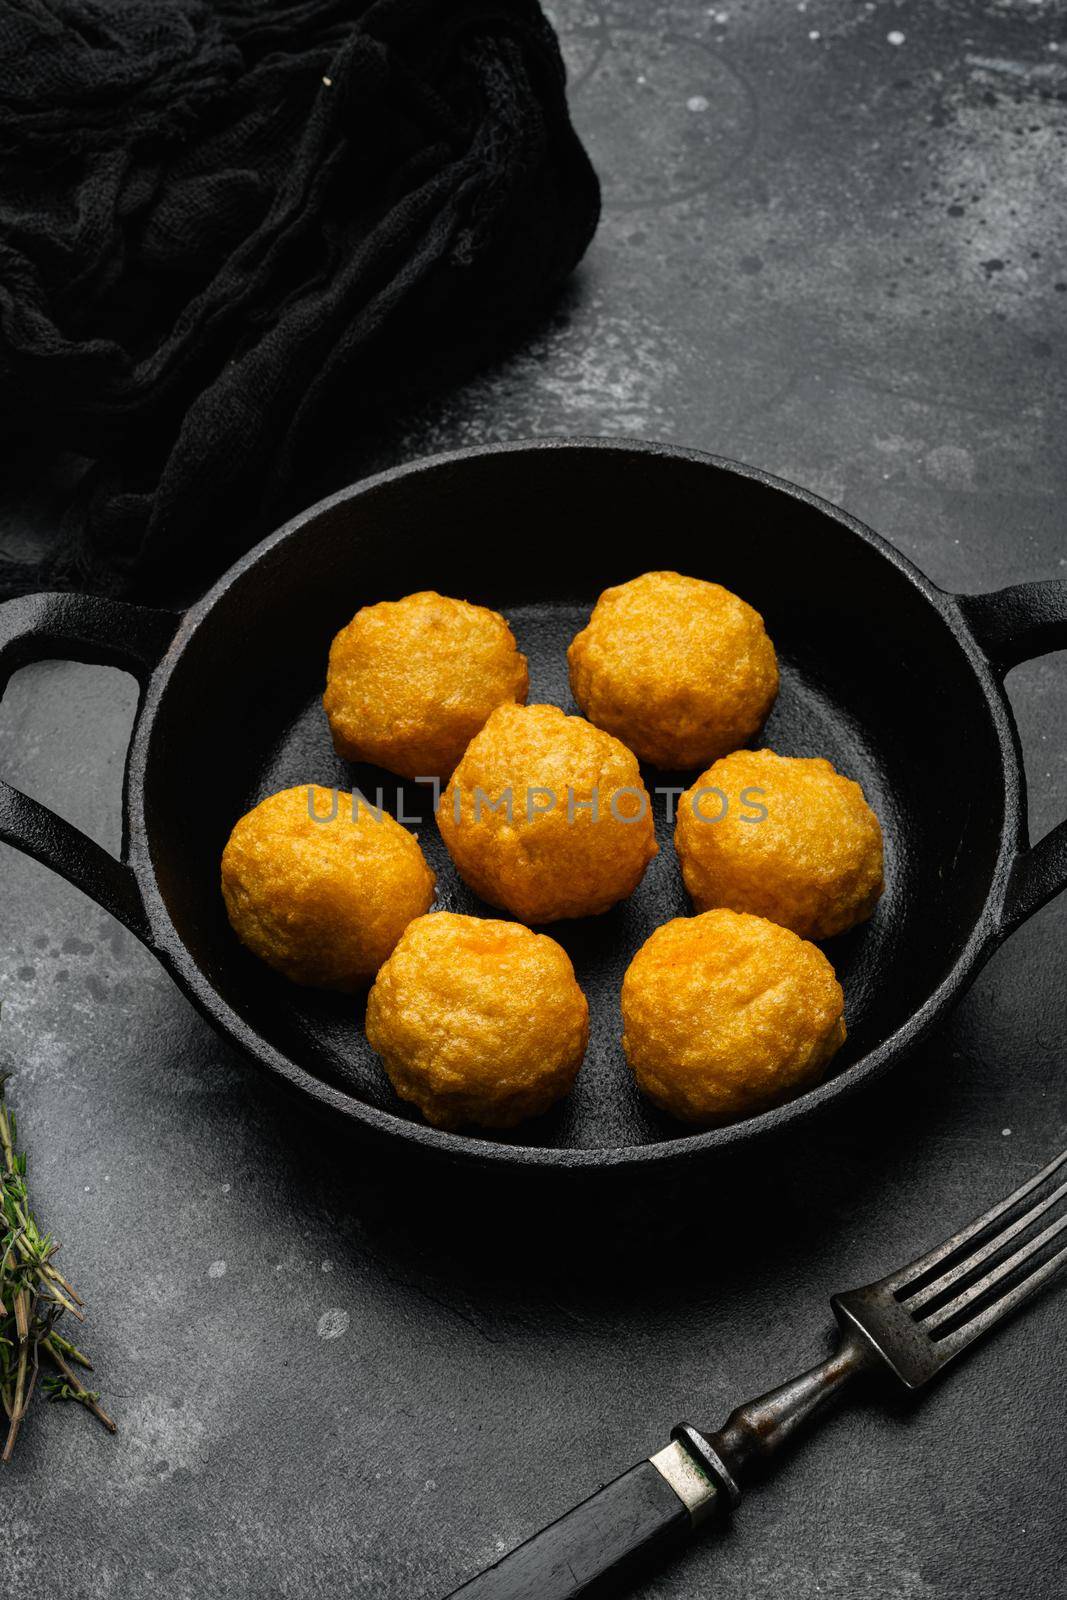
[{"x": 897, "y": 682}]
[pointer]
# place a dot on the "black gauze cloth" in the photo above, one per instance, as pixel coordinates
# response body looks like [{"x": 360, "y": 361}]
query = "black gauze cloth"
[{"x": 233, "y": 235}]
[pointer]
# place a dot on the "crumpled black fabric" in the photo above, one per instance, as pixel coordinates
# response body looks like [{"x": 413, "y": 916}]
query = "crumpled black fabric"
[{"x": 232, "y": 235}]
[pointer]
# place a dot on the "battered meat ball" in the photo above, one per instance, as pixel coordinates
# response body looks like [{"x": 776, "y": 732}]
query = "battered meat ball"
[
  {"x": 812, "y": 862},
  {"x": 478, "y": 1021},
  {"x": 323, "y": 901},
  {"x": 726, "y": 1015},
  {"x": 547, "y": 816},
  {"x": 678, "y": 669},
  {"x": 410, "y": 682}
]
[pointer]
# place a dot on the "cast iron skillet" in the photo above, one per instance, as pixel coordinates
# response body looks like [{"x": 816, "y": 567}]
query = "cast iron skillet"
[{"x": 897, "y": 682}]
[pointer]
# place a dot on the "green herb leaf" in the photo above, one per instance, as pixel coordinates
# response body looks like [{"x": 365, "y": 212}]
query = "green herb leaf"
[{"x": 34, "y": 1296}]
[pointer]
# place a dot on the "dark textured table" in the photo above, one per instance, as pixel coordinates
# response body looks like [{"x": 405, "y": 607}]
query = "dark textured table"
[{"x": 833, "y": 245}]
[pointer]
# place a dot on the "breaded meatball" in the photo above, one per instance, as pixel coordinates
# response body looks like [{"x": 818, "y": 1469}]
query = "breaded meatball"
[
  {"x": 678, "y": 669},
  {"x": 478, "y": 1021},
  {"x": 726, "y": 1015},
  {"x": 410, "y": 682},
  {"x": 796, "y": 842},
  {"x": 547, "y": 816},
  {"x": 323, "y": 898}
]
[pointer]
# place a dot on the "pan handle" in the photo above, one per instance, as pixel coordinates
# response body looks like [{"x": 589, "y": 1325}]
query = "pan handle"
[
  {"x": 1013, "y": 625},
  {"x": 91, "y": 628}
]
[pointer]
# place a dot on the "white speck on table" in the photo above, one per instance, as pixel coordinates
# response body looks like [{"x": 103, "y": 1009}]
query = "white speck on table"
[{"x": 333, "y": 1323}]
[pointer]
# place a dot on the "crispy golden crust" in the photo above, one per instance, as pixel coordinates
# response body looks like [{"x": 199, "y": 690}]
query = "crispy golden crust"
[
  {"x": 410, "y": 682},
  {"x": 680, "y": 670},
  {"x": 477, "y": 1021},
  {"x": 324, "y": 902},
  {"x": 726, "y": 1015},
  {"x": 559, "y": 861},
  {"x": 814, "y": 863}
]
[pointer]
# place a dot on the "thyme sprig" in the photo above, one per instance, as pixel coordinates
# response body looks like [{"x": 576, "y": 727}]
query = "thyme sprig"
[{"x": 34, "y": 1295}]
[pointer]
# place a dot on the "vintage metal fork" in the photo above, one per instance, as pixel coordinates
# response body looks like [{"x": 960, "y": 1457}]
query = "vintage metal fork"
[{"x": 912, "y": 1323}]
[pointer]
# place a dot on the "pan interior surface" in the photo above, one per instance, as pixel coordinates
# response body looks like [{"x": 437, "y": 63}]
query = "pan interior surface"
[{"x": 872, "y": 678}]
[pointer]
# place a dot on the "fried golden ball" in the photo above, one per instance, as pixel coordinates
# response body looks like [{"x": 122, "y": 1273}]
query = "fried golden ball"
[
  {"x": 796, "y": 842},
  {"x": 322, "y": 901},
  {"x": 410, "y": 682},
  {"x": 680, "y": 670},
  {"x": 478, "y": 1021},
  {"x": 725, "y": 1015},
  {"x": 547, "y": 816}
]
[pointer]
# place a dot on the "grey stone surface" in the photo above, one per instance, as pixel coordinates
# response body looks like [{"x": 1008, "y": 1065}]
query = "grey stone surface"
[{"x": 833, "y": 246}]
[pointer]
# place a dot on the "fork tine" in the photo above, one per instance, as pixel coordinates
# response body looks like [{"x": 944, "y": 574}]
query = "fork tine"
[
  {"x": 934, "y": 1257},
  {"x": 937, "y": 1286},
  {"x": 1002, "y": 1270},
  {"x": 960, "y": 1338}
]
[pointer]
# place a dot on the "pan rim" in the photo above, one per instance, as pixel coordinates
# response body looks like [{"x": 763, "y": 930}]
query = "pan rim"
[{"x": 175, "y": 956}]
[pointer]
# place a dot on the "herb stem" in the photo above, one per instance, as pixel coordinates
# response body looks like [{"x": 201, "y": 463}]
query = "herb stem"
[
  {"x": 21, "y": 1398},
  {"x": 34, "y": 1295},
  {"x": 81, "y": 1394},
  {"x": 71, "y": 1350}
]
